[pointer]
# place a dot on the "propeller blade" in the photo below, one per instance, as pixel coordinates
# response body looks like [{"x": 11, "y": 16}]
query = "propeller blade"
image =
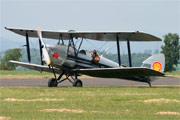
[
  {"x": 28, "y": 48},
  {"x": 45, "y": 54}
]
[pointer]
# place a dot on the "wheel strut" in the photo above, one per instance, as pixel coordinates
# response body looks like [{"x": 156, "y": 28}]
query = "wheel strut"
[
  {"x": 55, "y": 81},
  {"x": 149, "y": 83}
]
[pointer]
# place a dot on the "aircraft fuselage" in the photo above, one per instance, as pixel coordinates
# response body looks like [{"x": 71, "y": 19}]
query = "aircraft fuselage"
[{"x": 64, "y": 56}]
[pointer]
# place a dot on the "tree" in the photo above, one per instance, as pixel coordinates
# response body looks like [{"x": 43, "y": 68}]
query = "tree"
[
  {"x": 11, "y": 54},
  {"x": 148, "y": 52},
  {"x": 171, "y": 50},
  {"x": 156, "y": 51}
]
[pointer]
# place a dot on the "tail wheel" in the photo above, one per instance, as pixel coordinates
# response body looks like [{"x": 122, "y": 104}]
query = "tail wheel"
[
  {"x": 77, "y": 83},
  {"x": 52, "y": 82}
]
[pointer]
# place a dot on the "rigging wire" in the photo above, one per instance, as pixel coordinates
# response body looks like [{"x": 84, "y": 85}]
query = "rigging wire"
[
  {"x": 123, "y": 48},
  {"x": 109, "y": 48},
  {"x": 101, "y": 47},
  {"x": 32, "y": 44},
  {"x": 91, "y": 44},
  {"x": 77, "y": 41}
]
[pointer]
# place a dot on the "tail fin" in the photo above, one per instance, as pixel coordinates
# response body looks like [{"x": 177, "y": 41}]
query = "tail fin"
[{"x": 155, "y": 62}]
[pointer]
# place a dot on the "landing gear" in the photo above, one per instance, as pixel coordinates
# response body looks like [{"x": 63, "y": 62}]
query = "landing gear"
[
  {"x": 53, "y": 82},
  {"x": 77, "y": 83}
]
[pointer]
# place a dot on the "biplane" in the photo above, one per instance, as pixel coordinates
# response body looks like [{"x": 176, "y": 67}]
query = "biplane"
[{"x": 71, "y": 61}]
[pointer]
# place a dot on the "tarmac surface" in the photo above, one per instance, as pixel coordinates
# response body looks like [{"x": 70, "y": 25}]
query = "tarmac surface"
[{"x": 43, "y": 82}]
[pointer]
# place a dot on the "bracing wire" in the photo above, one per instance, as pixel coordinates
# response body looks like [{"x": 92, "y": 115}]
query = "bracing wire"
[
  {"x": 109, "y": 48},
  {"x": 101, "y": 47},
  {"x": 90, "y": 44},
  {"x": 32, "y": 44},
  {"x": 77, "y": 41},
  {"x": 123, "y": 48}
]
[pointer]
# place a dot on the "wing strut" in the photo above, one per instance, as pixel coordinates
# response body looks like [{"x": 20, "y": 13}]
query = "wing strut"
[
  {"x": 28, "y": 48},
  {"x": 40, "y": 49},
  {"x": 60, "y": 38},
  {"x": 79, "y": 46},
  {"x": 118, "y": 49},
  {"x": 129, "y": 53}
]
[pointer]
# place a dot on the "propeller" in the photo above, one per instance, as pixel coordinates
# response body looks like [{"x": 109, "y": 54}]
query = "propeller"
[{"x": 43, "y": 50}]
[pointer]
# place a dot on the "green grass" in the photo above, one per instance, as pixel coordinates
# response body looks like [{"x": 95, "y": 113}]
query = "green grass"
[
  {"x": 13, "y": 72},
  {"x": 176, "y": 73},
  {"x": 24, "y": 74},
  {"x": 92, "y": 103}
]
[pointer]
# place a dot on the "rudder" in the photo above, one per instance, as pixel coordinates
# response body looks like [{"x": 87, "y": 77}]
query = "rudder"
[{"x": 155, "y": 62}]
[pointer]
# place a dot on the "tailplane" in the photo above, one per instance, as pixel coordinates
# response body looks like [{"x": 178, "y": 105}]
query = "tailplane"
[{"x": 155, "y": 62}]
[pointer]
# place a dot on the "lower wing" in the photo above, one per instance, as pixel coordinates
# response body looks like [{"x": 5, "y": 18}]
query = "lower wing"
[
  {"x": 35, "y": 66},
  {"x": 133, "y": 73}
]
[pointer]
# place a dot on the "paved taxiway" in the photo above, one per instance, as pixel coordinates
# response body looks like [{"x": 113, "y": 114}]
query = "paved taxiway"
[{"x": 42, "y": 82}]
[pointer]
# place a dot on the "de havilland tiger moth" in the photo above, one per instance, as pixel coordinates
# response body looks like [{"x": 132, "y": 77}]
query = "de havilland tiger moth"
[{"x": 70, "y": 60}]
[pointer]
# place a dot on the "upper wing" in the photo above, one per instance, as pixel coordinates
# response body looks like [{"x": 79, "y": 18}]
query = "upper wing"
[
  {"x": 35, "y": 66},
  {"x": 124, "y": 73},
  {"x": 101, "y": 36}
]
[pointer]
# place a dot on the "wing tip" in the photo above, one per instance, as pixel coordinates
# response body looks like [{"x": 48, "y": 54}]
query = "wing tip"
[
  {"x": 155, "y": 38},
  {"x": 8, "y": 28}
]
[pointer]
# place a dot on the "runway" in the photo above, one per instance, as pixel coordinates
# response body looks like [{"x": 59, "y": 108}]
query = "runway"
[{"x": 43, "y": 82}]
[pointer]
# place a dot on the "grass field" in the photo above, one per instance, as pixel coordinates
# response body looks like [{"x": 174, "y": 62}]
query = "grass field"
[
  {"x": 28, "y": 72},
  {"x": 90, "y": 103},
  {"x": 24, "y": 74},
  {"x": 175, "y": 74}
]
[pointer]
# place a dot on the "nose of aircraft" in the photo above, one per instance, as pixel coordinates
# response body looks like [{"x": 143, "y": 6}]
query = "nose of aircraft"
[{"x": 57, "y": 53}]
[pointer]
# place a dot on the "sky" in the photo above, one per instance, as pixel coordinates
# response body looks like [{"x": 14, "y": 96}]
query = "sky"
[{"x": 156, "y": 17}]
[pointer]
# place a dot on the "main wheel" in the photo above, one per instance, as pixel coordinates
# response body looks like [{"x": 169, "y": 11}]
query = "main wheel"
[
  {"x": 77, "y": 83},
  {"x": 52, "y": 82}
]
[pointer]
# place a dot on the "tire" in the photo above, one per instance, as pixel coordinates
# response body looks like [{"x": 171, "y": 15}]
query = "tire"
[
  {"x": 52, "y": 82},
  {"x": 77, "y": 83}
]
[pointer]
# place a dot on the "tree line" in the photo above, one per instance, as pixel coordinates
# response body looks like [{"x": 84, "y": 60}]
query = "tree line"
[{"x": 171, "y": 50}]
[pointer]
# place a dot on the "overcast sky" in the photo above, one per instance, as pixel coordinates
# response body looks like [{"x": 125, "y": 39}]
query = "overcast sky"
[{"x": 156, "y": 17}]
